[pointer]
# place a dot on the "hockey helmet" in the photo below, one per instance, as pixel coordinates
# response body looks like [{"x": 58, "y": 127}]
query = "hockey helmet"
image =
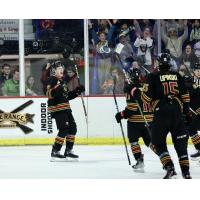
[
  {"x": 134, "y": 75},
  {"x": 197, "y": 66},
  {"x": 54, "y": 65},
  {"x": 164, "y": 60}
]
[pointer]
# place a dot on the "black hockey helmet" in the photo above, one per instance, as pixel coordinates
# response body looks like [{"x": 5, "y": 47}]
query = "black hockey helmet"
[
  {"x": 54, "y": 65},
  {"x": 196, "y": 66},
  {"x": 164, "y": 61},
  {"x": 134, "y": 75},
  {"x": 189, "y": 80}
]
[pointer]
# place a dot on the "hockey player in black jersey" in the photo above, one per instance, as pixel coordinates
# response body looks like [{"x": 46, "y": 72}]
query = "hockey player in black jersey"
[
  {"x": 169, "y": 98},
  {"x": 193, "y": 85},
  {"x": 135, "y": 124},
  {"x": 58, "y": 105}
]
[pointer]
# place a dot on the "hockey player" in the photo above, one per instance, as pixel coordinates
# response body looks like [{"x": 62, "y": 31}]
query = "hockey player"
[
  {"x": 167, "y": 93},
  {"x": 58, "y": 105},
  {"x": 135, "y": 124},
  {"x": 193, "y": 84}
]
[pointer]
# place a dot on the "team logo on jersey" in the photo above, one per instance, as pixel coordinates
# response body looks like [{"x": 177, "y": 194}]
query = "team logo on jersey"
[
  {"x": 145, "y": 87},
  {"x": 15, "y": 119}
]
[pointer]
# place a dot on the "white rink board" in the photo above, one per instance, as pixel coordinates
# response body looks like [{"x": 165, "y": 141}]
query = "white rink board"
[{"x": 101, "y": 120}]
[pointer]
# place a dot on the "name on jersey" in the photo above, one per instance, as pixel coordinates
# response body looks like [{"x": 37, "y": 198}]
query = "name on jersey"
[{"x": 168, "y": 78}]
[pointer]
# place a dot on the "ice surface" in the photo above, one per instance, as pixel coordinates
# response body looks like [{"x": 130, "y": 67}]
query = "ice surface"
[{"x": 107, "y": 162}]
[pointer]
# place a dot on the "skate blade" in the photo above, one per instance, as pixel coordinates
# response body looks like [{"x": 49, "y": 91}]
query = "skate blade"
[
  {"x": 195, "y": 159},
  {"x": 139, "y": 170},
  {"x": 57, "y": 159},
  {"x": 68, "y": 159},
  {"x": 174, "y": 177}
]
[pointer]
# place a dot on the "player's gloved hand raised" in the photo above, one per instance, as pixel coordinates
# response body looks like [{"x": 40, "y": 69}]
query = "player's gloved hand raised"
[
  {"x": 80, "y": 89},
  {"x": 128, "y": 88},
  {"x": 119, "y": 116}
]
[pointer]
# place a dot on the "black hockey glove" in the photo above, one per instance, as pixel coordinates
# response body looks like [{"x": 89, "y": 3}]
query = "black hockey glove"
[
  {"x": 119, "y": 116},
  {"x": 128, "y": 88},
  {"x": 80, "y": 89},
  {"x": 187, "y": 113}
]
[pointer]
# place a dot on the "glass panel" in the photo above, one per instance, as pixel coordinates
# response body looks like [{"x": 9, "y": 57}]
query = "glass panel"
[
  {"x": 115, "y": 45},
  {"x": 51, "y": 40},
  {"x": 9, "y": 59},
  {"x": 181, "y": 39}
]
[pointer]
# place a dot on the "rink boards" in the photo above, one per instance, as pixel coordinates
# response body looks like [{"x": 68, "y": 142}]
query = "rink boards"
[{"x": 26, "y": 121}]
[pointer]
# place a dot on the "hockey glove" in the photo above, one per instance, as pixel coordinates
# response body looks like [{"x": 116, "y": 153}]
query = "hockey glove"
[
  {"x": 80, "y": 89},
  {"x": 128, "y": 88},
  {"x": 119, "y": 116}
]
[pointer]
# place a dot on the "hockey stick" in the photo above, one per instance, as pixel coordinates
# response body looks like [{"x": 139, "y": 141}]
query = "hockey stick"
[
  {"x": 114, "y": 80},
  {"x": 145, "y": 69},
  {"x": 83, "y": 103},
  {"x": 193, "y": 111}
]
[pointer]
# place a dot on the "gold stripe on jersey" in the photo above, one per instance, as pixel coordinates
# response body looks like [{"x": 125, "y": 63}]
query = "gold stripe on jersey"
[
  {"x": 48, "y": 93},
  {"x": 198, "y": 111},
  {"x": 154, "y": 104},
  {"x": 59, "y": 107},
  {"x": 140, "y": 118},
  {"x": 145, "y": 98},
  {"x": 132, "y": 106},
  {"x": 185, "y": 98}
]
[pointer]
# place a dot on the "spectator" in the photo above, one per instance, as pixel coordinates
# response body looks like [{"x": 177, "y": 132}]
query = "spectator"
[
  {"x": 173, "y": 24},
  {"x": 6, "y": 68},
  {"x": 183, "y": 71},
  {"x": 125, "y": 51},
  {"x": 189, "y": 58},
  {"x": 197, "y": 50},
  {"x": 144, "y": 46},
  {"x": 31, "y": 88},
  {"x": 143, "y": 24},
  {"x": 173, "y": 42},
  {"x": 11, "y": 86},
  {"x": 195, "y": 33},
  {"x": 127, "y": 30},
  {"x": 104, "y": 25},
  {"x": 107, "y": 86},
  {"x": 104, "y": 53}
]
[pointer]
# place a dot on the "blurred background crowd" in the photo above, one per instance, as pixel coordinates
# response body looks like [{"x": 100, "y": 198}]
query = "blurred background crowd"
[{"x": 114, "y": 44}]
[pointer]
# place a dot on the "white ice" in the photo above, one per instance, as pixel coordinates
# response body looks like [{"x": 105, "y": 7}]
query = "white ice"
[{"x": 107, "y": 162}]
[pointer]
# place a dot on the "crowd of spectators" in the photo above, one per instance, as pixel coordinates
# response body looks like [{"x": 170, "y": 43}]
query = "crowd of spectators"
[
  {"x": 121, "y": 44},
  {"x": 9, "y": 82}
]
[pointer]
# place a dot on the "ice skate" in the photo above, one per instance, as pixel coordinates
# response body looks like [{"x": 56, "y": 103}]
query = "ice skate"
[
  {"x": 70, "y": 156},
  {"x": 186, "y": 175},
  {"x": 56, "y": 156},
  {"x": 195, "y": 156},
  {"x": 139, "y": 166},
  {"x": 171, "y": 173}
]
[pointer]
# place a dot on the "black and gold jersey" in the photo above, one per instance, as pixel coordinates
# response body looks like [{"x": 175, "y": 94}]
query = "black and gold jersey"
[{"x": 165, "y": 86}]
